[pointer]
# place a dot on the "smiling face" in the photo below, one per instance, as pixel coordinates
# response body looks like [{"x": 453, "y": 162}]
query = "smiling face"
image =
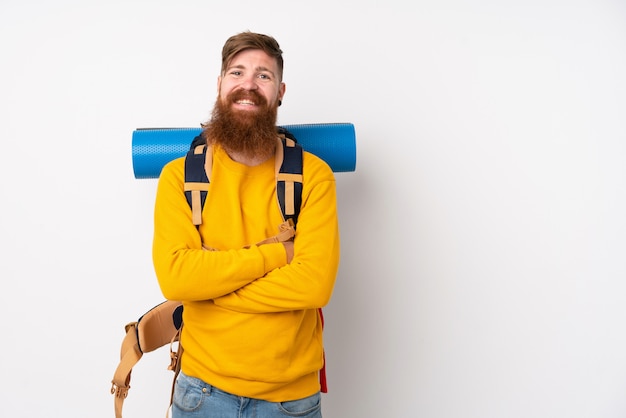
[
  {"x": 250, "y": 82},
  {"x": 243, "y": 121}
]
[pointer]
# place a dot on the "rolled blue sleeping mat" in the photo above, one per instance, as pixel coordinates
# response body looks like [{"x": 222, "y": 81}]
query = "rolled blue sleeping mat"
[{"x": 335, "y": 143}]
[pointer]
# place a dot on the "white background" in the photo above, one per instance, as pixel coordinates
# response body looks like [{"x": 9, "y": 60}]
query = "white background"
[{"x": 483, "y": 270}]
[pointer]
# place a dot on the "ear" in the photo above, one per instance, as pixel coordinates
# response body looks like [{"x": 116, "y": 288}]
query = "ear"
[
  {"x": 281, "y": 91},
  {"x": 219, "y": 83}
]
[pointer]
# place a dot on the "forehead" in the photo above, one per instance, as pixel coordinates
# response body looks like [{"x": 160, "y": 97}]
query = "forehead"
[{"x": 255, "y": 59}]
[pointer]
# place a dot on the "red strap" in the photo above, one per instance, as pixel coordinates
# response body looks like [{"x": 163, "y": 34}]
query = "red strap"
[{"x": 324, "y": 386}]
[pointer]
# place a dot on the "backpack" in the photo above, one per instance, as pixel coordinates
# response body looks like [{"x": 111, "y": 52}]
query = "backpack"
[{"x": 163, "y": 323}]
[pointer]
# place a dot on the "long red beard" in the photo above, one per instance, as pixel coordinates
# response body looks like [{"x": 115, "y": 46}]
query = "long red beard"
[{"x": 251, "y": 134}]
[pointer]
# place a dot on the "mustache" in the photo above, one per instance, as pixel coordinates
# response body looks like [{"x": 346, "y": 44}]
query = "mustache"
[{"x": 247, "y": 95}]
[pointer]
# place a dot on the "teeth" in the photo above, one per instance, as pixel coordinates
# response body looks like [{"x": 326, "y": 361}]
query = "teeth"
[{"x": 245, "y": 102}]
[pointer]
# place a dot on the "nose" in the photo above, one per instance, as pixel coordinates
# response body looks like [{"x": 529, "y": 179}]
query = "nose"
[{"x": 249, "y": 83}]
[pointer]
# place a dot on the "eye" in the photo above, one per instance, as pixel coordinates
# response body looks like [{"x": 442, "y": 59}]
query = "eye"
[{"x": 264, "y": 76}]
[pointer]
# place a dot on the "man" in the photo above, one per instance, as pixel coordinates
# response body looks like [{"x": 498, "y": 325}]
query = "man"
[{"x": 252, "y": 334}]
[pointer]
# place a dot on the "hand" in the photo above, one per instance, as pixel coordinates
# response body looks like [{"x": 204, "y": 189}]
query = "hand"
[{"x": 289, "y": 249}]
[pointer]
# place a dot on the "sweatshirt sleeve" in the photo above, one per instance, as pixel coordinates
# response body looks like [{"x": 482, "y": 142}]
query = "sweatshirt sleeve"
[
  {"x": 184, "y": 270},
  {"x": 308, "y": 281}
]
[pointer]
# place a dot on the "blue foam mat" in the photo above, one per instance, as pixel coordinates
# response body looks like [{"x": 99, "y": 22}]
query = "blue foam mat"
[{"x": 152, "y": 148}]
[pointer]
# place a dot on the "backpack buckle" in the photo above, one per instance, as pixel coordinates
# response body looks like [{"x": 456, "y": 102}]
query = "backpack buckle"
[{"x": 119, "y": 391}]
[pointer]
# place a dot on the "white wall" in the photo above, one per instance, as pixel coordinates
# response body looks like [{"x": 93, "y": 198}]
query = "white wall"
[{"x": 483, "y": 232}]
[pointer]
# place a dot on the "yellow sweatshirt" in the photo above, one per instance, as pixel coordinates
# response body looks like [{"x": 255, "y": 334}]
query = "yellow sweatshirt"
[{"x": 252, "y": 326}]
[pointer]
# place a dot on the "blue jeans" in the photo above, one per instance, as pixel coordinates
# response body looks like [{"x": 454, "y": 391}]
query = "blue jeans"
[{"x": 195, "y": 399}]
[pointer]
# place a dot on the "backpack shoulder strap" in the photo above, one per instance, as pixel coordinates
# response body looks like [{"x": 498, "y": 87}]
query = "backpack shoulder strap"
[
  {"x": 289, "y": 176},
  {"x": 197, "y": 170}
]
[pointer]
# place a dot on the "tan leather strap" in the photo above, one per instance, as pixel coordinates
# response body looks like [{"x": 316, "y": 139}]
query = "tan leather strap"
[
  {"x": 175, "y": 357},
  {"x": 286, "y": 231},
  {"x": 129, "y": 356}
]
